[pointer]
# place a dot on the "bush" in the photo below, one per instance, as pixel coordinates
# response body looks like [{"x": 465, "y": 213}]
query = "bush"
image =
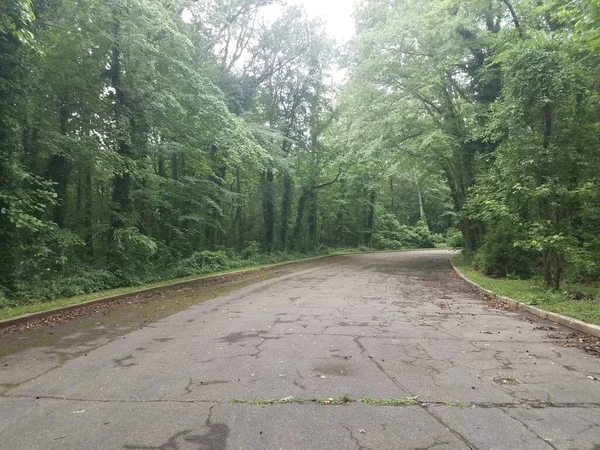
[
  {"x": 454, "y": 238},
  {"x": 204, "y": 262},
  {"x": 68, "y": 284},
  {"x": 392, "y": 235},
  {"x": 133, "y": 251},
  {"x": 499, "y": 257},
  {"x": 251, "y": 250}
]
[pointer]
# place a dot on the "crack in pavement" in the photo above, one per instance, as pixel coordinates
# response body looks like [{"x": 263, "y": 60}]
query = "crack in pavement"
[
  {"x": 528, "y": 428},
  {"x": 395, "y": 321},
  {"x": 355, "y": 439},
  {"x": 363, "y": 350},
  {"x": 422, "y": 404}
]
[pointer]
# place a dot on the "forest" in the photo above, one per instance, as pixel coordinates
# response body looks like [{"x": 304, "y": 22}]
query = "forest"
[{"x": 143, "y": 140}]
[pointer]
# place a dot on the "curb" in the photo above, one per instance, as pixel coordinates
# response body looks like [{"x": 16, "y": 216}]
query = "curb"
[
  {"x": 6, "y": 323},
  {"x": 569, "y": 322}
]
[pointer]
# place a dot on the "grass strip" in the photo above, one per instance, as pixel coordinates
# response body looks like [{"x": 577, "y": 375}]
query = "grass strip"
[{"x": 533, "y": 292}]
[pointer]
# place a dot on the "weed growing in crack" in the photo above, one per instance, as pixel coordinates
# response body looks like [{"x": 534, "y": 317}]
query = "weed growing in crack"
[
  {"x": 454, "y": 404},
  {"x": 289, "y": 400},
  {"x": 508, "y": 380},
  {"x": 389, "y": 401}
]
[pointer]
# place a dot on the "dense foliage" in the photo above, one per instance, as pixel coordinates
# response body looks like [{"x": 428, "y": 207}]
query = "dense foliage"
[
  {"x": 146, "y": 139},
  {"x": 502, "y": 98}
]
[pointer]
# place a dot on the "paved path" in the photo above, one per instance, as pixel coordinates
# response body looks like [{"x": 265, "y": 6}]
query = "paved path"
[{"x": 389, "y": 325}]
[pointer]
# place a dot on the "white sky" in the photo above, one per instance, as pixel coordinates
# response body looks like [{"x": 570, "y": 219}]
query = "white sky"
[{"x": 337, "y": 15}]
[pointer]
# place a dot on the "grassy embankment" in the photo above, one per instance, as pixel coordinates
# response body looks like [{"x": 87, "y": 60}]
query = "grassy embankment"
[{"x": 532, "y": 292}]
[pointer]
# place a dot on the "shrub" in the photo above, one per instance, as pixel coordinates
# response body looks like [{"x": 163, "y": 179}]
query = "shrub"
[
  {"x": 251, "y": 250},
  {"x": 499, "y": 256},
  {"x": 392, "y": 235},
  {"x": 68, "y": 284},
  {"x": 133, "y": 251},
  {"x": 454, "y": 238}
]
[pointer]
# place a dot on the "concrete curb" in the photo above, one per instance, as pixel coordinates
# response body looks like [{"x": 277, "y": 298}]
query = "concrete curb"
[
  {"x": 569, "y": 322},
  {"x": 5, "y": 323}
]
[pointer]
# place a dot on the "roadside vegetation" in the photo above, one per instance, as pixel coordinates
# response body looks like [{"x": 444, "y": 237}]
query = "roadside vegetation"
[
  {"x": 147, "y": 140},
  {"x": 144, "y": 140},
  {"x": 577, "y": 300}
]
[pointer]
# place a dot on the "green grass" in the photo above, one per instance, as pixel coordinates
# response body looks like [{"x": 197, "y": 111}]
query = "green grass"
[
  {"x": 533, "y": 292},
  {"x": 460, "y": 405}
]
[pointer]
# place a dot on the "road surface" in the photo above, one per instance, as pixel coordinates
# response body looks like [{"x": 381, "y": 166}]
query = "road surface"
[{"x": 384, "y": 326}]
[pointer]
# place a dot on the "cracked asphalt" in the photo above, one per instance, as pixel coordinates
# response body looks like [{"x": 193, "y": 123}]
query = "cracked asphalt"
[{"x": 386, "y": 325}]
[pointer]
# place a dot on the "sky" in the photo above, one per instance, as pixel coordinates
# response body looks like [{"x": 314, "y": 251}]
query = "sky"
[{"x": 337, "y": 15}]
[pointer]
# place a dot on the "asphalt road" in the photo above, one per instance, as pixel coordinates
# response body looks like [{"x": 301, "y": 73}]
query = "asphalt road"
[{"x": 384, "y": 326}]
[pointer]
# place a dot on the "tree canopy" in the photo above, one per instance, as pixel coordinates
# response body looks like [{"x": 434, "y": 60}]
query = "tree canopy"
[{"x": 148, "y": 139}]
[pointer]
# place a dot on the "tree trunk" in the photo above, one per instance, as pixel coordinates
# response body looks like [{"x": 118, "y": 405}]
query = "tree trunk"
[
  {"x": 370, "y": 218},
  {"x": 162, "y": 171},
  {"x": 58, "y": 171},
  {"x": 237, "y": 229},
  {"x": 87, "y": 214},
  {"x": 296, "y": 241},
  {"x": 286, "y": 204},
  {"x": 392, "y": 194},
  {"x": 122, "y": 209},
  {"x": 219, "y": 170},
  {"x": 468, "y": 235},
  {"x": 8, "y": 235},
  {"x": 422, "y": 216},
  {"x": 312, "y": 220},
  {"x": 174, "y": 166},
  {"x": 269, "y": 209}
]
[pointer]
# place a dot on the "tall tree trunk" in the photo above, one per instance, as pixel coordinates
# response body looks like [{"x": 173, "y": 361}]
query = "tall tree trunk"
[
  {"x": 237, "y": 229},
  {"x": 392, "y": 194},
  {"x": 551, "y": 259},
  {"x": 162, "y": 170},
  {"x": 174, "y": 166},
  {"x": 122, "y": 199},
  {"x": 468, "y": 235},
  {"x": 341, "y": 217},
  {"x": 422, "y": 216},
  {"x": 58, "y": 171},
  {"x": 87, "y": 215},
  {"x": 10, "y": 148},
  {"x": 312, "y": 220},
  {"x": 8, "y": 233},
  {"x": 286, "y": 204},
  {"x": 453, "y": 179},
  {"x": 297, "y": 236},
  {"x": 269, "y": 209},
  {"x": 212, "y": 231},
  {"x": 288, "y": 192},
  {"x": 370, "y": 218}
]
